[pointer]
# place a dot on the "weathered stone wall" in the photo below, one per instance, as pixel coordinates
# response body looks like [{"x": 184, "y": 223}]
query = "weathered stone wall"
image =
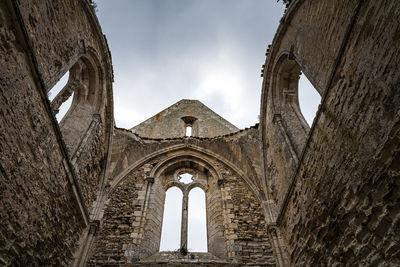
[
  {"x": 171, "y": 122},
  {"x": 60, "y": 32},
  {"x": 244, "y": 223},
  {"x": 119, "y": 230},
  {"x": 36, "y": 197},
  {"x": 241, "y": 148},
  {"x": 337, "y": 201},
  {"x": 236, "y": 222},
  {"x": 215, "y": 213},
  {"x": 43, "y": 209},
  {"x": 90, "y": 160},
  {"x": 310, "y": 34},
  {"x": 60, "y": 35},
  {"x": 313, "y": 31}
]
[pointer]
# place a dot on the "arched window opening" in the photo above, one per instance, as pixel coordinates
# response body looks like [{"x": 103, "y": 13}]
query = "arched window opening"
[
  {"x": 309, "y": 99},
  {"x": 64, "y": 108},
  {"x": 197, "y": 222},
  {"x": 171, "y": 226},
  {"x": 85, "y": 89},
  {"x": 186, "y": 178},
  {"x": 294, "y": 120},
  {"x": 189, "y": 123},
  {"x": 296, "y": 98},
  {"x": 57, "y": 95},
  {"x": 58, "y": 86},
  {"x": 188, "y": 130}
]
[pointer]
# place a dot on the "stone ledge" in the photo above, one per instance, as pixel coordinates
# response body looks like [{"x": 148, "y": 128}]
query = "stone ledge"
[{"x": 172, "y": 257}]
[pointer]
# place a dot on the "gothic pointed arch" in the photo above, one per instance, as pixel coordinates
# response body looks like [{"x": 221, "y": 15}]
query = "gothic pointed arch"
[{"x": 221, "y": 181}]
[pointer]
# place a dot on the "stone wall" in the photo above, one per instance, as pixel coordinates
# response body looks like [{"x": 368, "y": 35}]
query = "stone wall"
[
  {"x": 284, "y": 134},
  {"x": 90, "y": 161},
  {"x": 62, "y": 35},
  {"x": 245, "y": 234},
  {"x": 236, "y": 222},
  {"x": 241, "y": 148},
  {"x": 171, "y": 122},
  {"x": 336, "y": 200},
  {"x": 120, "y": 227},
  {"x": 43, "y": 208}
]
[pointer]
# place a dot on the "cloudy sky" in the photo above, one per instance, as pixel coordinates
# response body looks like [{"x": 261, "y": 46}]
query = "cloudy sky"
[
  {"x": 210, "y": 50},
  {"x": 167, "y": 50}
]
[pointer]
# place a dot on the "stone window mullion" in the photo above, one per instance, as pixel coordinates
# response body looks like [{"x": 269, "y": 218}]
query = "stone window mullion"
[{"x": 184, "y": 225}]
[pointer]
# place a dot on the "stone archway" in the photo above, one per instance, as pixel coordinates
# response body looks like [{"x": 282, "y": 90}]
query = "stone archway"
[{"x": 228, "y": 198}]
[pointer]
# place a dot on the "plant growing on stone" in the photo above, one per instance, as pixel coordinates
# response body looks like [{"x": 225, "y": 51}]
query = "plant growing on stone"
[{"x": 184, "y": 251}]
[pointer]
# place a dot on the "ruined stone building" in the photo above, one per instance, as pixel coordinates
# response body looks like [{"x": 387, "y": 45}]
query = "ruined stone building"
[{"x": 83, "y": 192}]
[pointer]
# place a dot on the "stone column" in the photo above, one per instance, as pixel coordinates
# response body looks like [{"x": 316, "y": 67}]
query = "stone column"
[
  {"x": 149, "y": 182},
  {"x": 82, "y": 253},
  {"x": 278, "y": 247},
  {"x": 184, "y": 225},
  {"x": 134, "y": 250}
]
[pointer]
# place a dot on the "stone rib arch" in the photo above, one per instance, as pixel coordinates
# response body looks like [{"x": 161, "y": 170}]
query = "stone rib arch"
[
  {"x": 170, "y": 161},
  {"x": 172, "y": 184},
  {"x": 185, "y": 149},
  {"x": 194, "y": 185},
  {"x": 88, "y": 123},
  {"x": 218, "y": 191},
  {"x": 179, "y": 185},
  {"x": 92, "y": 100}
]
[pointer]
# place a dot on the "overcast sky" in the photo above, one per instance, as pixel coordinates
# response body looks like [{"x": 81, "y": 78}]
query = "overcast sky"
[{"x": 167, "y": 50}]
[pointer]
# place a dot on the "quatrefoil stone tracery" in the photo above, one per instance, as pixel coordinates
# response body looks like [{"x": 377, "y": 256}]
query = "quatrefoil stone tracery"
[{"x": 185, "y": 178}]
